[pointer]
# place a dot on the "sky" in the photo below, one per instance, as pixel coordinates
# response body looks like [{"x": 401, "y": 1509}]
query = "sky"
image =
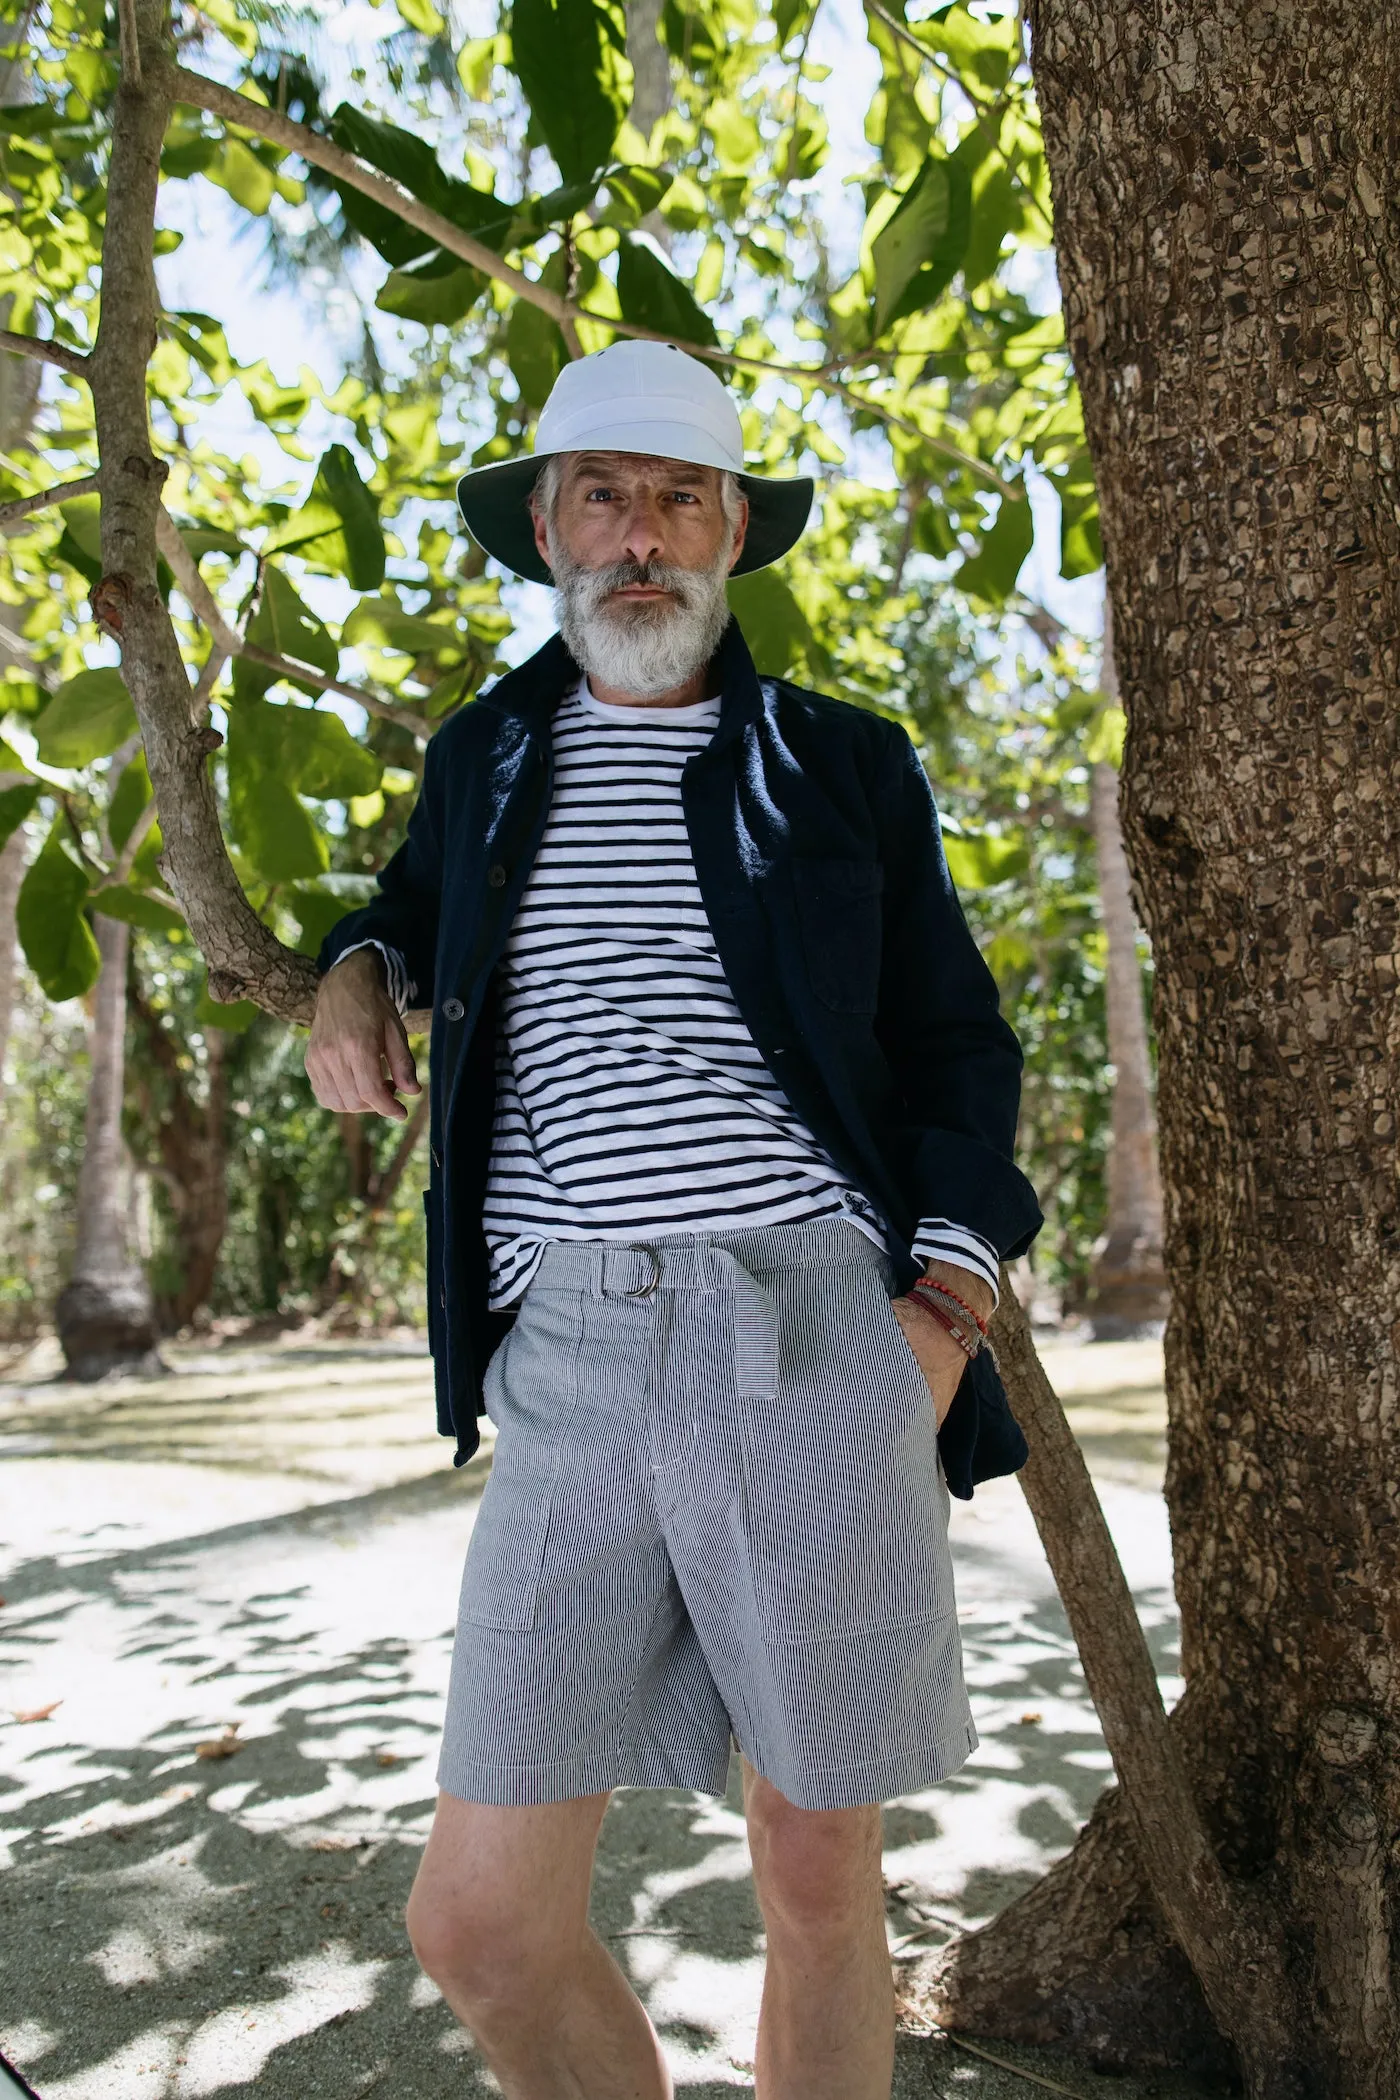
[{"x": 290, "y": 329}]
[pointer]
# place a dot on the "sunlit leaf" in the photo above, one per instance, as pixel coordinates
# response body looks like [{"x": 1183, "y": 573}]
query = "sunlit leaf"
[
  {"x": 286, "y": 627},
  {"x": 917, "y": 252},
  {"x": 536, "y": 350},
  {"x": 57, "y": 941},
  {"x": 86, "y": 719},
  {"x": 338, "y": 525},
  {"x": 570, "y": 57},
  {"x": 989, "y": 575},
  {"x": 776, "y": 628},
  {"x": 15, "y": 805},
  {"x": 978, "y": 860},
  {"x": 137, "y": 907},
  {"x": 652, "y": 296}
]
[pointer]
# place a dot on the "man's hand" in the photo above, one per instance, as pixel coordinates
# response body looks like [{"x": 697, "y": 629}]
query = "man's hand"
[
  {"x": 356, "y": 1034},
  {"x": 939, "y": 1357}
]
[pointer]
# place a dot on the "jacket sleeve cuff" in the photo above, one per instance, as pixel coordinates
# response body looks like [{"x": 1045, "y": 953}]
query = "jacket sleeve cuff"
[
  {"x": 957, "y": 1176},
  {"x": 940, "y": 1239}
]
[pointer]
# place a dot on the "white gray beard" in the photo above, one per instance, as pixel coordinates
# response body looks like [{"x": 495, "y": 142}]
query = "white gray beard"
[{"x": 650, "y": 647}]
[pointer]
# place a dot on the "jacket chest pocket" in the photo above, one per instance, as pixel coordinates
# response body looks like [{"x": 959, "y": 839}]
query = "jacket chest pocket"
[{"x": 839, "y": 913}]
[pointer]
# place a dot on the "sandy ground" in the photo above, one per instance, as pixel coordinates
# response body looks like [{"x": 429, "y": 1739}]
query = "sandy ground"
[{"x": 261, "y": 1553}]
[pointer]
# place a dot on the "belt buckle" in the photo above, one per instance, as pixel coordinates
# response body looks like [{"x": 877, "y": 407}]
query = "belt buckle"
[{"x": 645, "y": 1290}]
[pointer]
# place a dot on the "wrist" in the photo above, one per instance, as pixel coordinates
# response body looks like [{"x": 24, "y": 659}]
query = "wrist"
[{"x": 974, "y": 1290}]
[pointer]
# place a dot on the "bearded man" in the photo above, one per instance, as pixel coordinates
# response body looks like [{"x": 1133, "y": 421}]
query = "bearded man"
[{"x": 723, "y": 1112}]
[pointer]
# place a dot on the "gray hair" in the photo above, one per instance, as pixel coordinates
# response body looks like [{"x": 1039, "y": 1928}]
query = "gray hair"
[{"x": 544, "y": 497}]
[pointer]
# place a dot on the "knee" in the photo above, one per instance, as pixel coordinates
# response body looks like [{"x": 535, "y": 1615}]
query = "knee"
[
  {"x": 475, "y": 1956},
  {"x": 814, "y": 1869}
]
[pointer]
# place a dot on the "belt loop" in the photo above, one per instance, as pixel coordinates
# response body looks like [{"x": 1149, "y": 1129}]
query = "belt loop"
[
  {"x": 705, "y": 1277},
  {"x": 597, "y": 1255}
]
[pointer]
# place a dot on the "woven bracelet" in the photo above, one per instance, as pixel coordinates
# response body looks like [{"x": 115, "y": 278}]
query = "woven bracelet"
[{"x": 949, "y": 1314}]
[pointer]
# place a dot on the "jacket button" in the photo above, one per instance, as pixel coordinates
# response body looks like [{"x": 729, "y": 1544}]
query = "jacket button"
[
  {"x": 452, "y": 1009},
  {"x": 496, "y": 875}
]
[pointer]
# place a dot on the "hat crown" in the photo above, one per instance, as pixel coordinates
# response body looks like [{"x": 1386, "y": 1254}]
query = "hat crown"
[{"x": 642, "y": 389}]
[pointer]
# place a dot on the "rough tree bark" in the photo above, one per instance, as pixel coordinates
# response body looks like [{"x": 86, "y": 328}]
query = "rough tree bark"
[
  {"x": 104, "y": 1315},
  {"x": 1229, "y": 252},
  {"x": 1128, "y": 1282}
]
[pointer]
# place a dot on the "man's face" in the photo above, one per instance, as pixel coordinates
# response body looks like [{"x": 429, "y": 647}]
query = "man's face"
[
  {"x": 640, "y": 550},
  {"x": 623, "y": 507}
]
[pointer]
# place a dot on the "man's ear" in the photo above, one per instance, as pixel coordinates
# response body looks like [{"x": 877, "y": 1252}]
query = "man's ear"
[
  {"x": 740, "y": 531},
  {"x": 541, "y": 534}
]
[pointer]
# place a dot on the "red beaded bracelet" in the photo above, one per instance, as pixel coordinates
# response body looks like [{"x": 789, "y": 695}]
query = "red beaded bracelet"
[
  {"x": 936, "y": 1283},
  {"x": 970, "y": 1344}
]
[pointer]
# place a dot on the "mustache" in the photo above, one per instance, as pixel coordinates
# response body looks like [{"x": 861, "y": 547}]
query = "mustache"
[{"x": 597, "y": 584}]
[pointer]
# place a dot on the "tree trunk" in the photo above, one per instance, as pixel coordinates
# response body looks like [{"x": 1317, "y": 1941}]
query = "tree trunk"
[
  {"x": 651, "y": 87},
  {"x": 105, "y": 1316},
  {"x": 191, "y": 1137},
  {"x": 1128, "y": 1285},
  {"x": 1229, "y": 251}
]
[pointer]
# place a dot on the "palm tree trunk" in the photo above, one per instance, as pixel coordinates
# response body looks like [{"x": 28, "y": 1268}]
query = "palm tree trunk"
[{"x": 105, "y": 1316}]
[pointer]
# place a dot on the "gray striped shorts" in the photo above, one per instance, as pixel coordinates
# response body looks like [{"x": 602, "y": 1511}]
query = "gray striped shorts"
[{"x": 715, "y": 1511}]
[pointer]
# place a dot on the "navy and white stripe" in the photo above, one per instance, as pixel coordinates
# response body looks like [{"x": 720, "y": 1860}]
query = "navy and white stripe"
[{"x": 632, "y": 1102}]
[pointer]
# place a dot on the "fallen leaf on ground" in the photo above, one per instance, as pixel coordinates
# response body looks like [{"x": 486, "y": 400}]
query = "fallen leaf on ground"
[
  {"x": 224, "y": 1745},
  {"x": 1029, "y": 1720},
  {"x": 387, "y": 1757},
  {"x": 39, "y": 1713}
]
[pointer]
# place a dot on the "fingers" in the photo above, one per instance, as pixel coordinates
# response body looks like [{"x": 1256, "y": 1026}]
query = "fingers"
[
  {"x": 399, "y": 1058},
  {"x": 345, "y": 1063}
]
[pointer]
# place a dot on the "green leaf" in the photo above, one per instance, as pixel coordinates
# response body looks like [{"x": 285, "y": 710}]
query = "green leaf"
[
  {"x": 985, "y": 51},
  {"x": 411, "y": 161},
  {"x": 316, "y": 911},
  {"x": 318, "y": 756},
  {"x": 287, "y": 627},
  {"x": 1104, "y": 744},
  {"x": 274, "y": 830},
  {"x": 776, "y": 629},
  {"x": 436, "y": 289},
  {"x": 632, "y": 193},
  {"x": 129, "y": 797},
  {"x": 996, "y": 212},
  {"x": 536, "y": 350},
  {"x": 977, "y": 860},
  {"x": 15, "y": 805},
  {"x": 239, "y": 171},
  {"x": 383, "y": 623},
  {"x": 10, "y": 760},
  {"x": 651, "y": 296},
  {"x": 917, "y": 251},
  {"x": 338, "y": 525},
  {"x": 118, "y": 900},
  {"x": 990, "y": 574},
  {"x": 57, "y": 941},
  {"x": 86, "y": 719},
  {"x": 422, "y": 16},
  {"x": 570, "y": 57},
  {"x": 27, "y": 120}
]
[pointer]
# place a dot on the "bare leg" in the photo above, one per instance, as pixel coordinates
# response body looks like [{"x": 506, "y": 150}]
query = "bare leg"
[
  {"x": 826, "y": 2024},
  {"x": 498, "y": 1918}
]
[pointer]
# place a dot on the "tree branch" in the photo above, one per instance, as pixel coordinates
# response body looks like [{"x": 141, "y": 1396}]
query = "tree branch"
[
  {"x": 229, "y": 642},
  {"x": 1183, "y": 1871},
  {"x": 245, "y": 958},
  {"x": 130, "y": 41},
  {"x": 321, "y": 152},
  {"x": 20, "y": 507},
  {"x": 48, "y": 353}
]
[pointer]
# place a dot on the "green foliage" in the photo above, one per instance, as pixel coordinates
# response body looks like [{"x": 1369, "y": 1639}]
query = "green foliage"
[
  {"x": 57, "y": 941},
  {"x": 652, "y": 296},
  {"x": 87, "y": 717},
  {"x": 337, "y": 528},
  {"x": 570, "y": 57}
]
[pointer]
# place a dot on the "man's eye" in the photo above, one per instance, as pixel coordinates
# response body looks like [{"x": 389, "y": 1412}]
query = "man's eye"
[
  {"x": 684, "y": 496},
  {"x": 593, "y": 494}
]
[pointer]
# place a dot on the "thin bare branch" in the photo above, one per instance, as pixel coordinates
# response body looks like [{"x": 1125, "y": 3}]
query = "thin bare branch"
[
  {"x": 229, "y": 642},
  {"x": 21, "y": 507},
  {"x": 47, "y": 353}
]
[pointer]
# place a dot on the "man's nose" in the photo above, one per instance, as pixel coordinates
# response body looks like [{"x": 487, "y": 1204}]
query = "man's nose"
[{"x": 645, "y": 538}]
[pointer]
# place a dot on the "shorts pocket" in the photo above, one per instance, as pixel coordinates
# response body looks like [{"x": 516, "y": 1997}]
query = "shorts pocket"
[
  {"x": 845, "y": 1518},
  {"x": 531, "y": 1393}
]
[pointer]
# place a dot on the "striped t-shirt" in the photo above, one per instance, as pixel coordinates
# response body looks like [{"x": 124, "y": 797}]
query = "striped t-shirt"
[{"x": 631, "y": 1100}]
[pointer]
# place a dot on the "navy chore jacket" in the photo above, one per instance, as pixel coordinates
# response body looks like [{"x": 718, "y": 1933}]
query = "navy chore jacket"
[{"x": 819, "y": 857}]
